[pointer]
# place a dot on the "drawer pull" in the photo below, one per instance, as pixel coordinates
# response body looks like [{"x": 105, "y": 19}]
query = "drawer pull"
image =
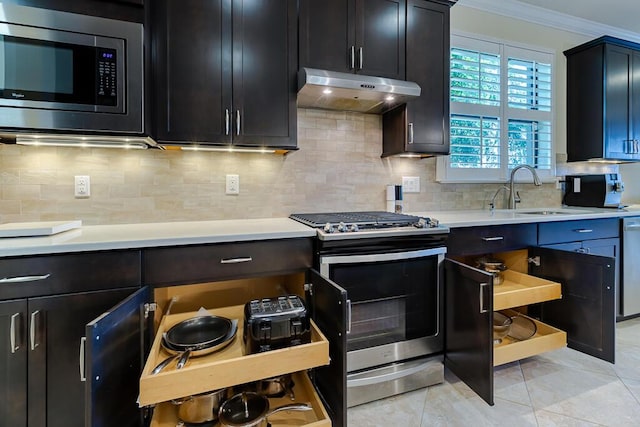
[
  {"x": 22, "y": 279},
  {"x": 584, "y": 230},
  {"x": 236, "y": 260},
  {"x": 493, "y": 239},
  {"x": 15, "y": 332}
]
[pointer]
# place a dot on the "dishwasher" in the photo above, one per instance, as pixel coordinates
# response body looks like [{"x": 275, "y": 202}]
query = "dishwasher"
[{"x": 630, "y": 298}]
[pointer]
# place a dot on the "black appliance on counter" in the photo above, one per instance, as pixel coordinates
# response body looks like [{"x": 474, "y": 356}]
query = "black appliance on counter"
[
  {"x": 273, "y": 323},
  {"x": 599, "y": 190},
  {"x": 389, "y": 264}
]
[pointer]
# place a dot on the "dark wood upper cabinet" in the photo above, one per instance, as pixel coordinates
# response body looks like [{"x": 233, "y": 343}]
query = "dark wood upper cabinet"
[
  {"x": 126, "y": 10},
  {"x": 361, "y": 36},
  {"x": 421, "y": 126},
  {"x": 603, "y": 100},
  {"x": 224, "y": 72}
]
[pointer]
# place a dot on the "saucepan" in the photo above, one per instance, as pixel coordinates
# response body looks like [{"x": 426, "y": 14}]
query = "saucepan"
[
  {"x": 200, "y": 408},
  {"x": 196, "y": 336},
  {"x": 249, "y": 409}
]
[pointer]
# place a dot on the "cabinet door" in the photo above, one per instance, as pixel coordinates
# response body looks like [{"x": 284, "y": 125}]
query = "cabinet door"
[
  {"x": 635, "y": 105},
  {"x": 13, "y": 363},
  {"x": 617, "y": 103},
  {"x": 192, "y": 65},
  {"x": 428, "y": 65},
  {"x": 56, "y": 328},
  {"x": 327, "y": 35},
  {"x": 380, "y": 38},
  {"x": 586, "y": 310},
  {"x": 265, "y": 62},
  {"x": 127, "y": 10},
  {"x": 469, "y": 326},
  {"x": 115, "y": 347},
  {"x": 329, "y": 306}
]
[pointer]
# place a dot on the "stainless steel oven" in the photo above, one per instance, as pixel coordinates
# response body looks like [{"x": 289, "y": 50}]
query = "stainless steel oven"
[{"x": 392, "y": 275}]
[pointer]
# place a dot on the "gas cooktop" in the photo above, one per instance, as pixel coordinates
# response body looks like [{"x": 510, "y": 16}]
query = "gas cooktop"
[{"x": 351, "y": 225}]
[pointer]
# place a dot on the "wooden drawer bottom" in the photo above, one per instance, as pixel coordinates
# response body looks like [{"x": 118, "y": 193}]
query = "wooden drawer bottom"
[
  {"x": 166, "y": 414},
  {"x": 547, "y": 338}
]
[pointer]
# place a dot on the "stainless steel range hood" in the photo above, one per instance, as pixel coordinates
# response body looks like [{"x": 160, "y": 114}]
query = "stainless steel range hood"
[{"x": 332, "y": 90}]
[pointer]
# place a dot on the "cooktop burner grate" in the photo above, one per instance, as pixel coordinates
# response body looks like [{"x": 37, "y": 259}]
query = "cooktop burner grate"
[{"x": 361, "y": 218}]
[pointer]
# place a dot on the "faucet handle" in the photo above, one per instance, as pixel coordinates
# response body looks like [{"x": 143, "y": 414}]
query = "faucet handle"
[{"x": 517, "y": 197}]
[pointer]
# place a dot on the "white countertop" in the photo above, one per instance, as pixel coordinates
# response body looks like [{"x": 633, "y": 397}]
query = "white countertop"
[
  {"x": 106, "y": 237},
  {"x": 124, "y": 236},
  {"x": 471, "y": 218}
]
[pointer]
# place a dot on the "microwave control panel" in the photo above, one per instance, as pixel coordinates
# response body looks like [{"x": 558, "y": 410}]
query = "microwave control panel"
[{"x": 106, "y": 70}]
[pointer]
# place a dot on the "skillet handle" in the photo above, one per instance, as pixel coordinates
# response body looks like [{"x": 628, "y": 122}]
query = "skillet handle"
[
  {"x": 291, "y": 407},
  {"x": 184, "y": 358},
  {"x": 163, "y": 364}
]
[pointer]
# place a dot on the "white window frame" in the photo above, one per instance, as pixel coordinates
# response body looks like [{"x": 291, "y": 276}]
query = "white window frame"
[{"x": 505, "y": 49}]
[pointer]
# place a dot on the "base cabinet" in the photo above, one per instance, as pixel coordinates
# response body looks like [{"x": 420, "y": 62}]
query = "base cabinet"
[
  {"x": 318, "y": 368},
  {"x": 563, "y": 292}
]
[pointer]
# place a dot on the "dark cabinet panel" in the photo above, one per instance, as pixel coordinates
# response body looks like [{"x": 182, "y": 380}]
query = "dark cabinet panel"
[
  {"x": 422, "y": 125},
  {"x": 469, "y": 336},
  {"x": 126, "y": 10},
  {"x": 603, "y": 87},
  {"x": 13, "y": 362},
  {"x": 493, "y": 238},
  {"x": 58, "y": 274},
  {"x": 574, "y": 231},
  {"x": 224, "y": 261},
  {"x": 192, "y": 42},
  {"x": 362, "y": 36},
  {"x": 586, "y": 310},
  {"x": 225, "y": 72}
]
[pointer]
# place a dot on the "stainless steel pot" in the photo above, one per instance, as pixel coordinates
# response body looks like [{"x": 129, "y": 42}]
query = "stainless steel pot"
[
  {"x": 276, "y": 386},
  {"x": 202, "y": 407},
  {"x": 495, "y": 267},
  {"x": 250, "y": 409}
]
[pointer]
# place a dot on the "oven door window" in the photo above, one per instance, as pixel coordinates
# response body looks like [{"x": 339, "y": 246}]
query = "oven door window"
[{"x": 391, "y": 301}]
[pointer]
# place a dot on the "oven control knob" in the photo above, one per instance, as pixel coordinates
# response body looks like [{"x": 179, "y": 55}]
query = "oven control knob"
[
  {"x": 342, "y": 227},
  {"x": 328, "y": 228},
  {"x": 353, "y": 228}
]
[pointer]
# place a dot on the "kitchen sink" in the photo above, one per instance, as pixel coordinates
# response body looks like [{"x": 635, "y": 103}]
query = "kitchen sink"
[{"x": 553, "y": 212}]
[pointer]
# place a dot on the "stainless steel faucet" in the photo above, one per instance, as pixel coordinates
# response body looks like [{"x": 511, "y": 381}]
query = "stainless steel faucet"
[
  {"x": 492, "y": 203},
  {"x": 514, "y": 196}
]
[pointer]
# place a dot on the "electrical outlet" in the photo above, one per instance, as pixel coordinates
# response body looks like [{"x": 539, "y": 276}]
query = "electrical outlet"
[
  {"x": 82, "y": 188},
  {"x": 233, "y": 184},
  {"x": 410, "y": 184}
]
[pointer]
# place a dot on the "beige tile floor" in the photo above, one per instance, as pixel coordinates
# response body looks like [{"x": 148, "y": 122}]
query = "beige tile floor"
[{"x": 558, "y": 388}]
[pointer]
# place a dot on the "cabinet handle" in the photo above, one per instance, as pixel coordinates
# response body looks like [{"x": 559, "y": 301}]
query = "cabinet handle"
[
  {"x": 584, "y": 230},
  {"x": 22, "y": 279},
  {"x": 33, "y": 329},
  {"x": 360, "y": 58},
  {"x": 411, "y": 133},
  {"x": 236, "y": 260},
  {"x": 352, "y": 54},
  {"x": 16, "y": 332},
  {"x": 492, "y": 239},
  {"x": 226, "y": 121},
  {"x": 83, "y": 342},
  {"x": 348, "y": 316},
  {"x": 237, "y": 122},
  {"x": 482, "y": 308},
  {"x": 581, "y": 251}
]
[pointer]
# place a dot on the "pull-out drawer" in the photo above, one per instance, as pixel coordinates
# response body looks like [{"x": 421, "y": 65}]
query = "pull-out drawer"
[
  {"x": 227, "y": 367},
  {"x": 546, "y": 338},
  {"x": 166, "y": 414},
  {"x": 520, "y": 289}
]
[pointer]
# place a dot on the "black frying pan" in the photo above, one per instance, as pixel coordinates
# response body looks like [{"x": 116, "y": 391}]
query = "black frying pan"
[{"x": 196, "y": 336}]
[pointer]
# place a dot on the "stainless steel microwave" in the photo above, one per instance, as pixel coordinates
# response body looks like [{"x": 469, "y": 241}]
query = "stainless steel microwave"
[{"x": 66, "y": 72}]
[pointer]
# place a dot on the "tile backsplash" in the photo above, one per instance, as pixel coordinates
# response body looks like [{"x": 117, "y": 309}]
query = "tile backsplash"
[{"x": 337, "y": 167}]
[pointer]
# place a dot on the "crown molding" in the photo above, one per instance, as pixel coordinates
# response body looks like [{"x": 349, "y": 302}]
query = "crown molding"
[{"x": 549, "y": 18}]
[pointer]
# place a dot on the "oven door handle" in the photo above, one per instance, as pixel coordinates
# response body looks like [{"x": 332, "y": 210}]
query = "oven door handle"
[
  {"x": 391, "y": 376},
  {"x": 389, "y": 256}
]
